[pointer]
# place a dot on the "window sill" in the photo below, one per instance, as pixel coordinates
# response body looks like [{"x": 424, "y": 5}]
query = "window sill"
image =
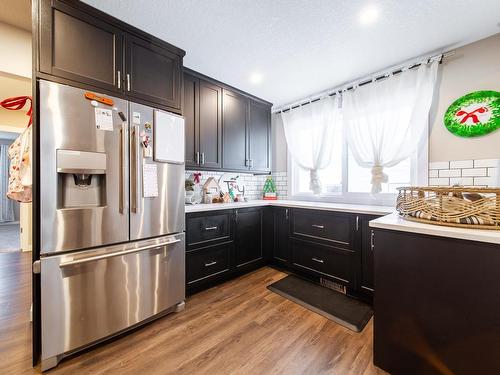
[{"x": 381, "y": 199}]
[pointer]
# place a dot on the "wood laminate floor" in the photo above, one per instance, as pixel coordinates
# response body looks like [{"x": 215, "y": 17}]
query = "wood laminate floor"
[{"x": 239, "y": 327}]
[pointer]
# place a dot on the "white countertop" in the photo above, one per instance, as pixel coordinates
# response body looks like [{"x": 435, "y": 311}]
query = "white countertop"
[
  {"x": 395, "y": 222},
  {"x": 339, "y": 207}
]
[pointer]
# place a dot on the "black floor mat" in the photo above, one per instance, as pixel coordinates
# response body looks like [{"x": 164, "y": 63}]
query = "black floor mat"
[{"x": 346, "y": 311}]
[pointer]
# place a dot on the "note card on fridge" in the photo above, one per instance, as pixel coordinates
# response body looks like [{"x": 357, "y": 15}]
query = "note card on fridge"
[
  {"x": 168, "y": 137},
  {"x": 149, "y": 180}
]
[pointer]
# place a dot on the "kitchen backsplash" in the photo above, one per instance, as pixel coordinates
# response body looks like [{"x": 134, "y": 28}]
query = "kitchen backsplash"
[
  {"x": 482, "y": 172},
  {"x": 253, "y": 183}
]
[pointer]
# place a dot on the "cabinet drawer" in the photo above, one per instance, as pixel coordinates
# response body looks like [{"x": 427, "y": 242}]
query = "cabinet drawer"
[
  {"x": 206, "y": 262},
  {"x": 325, "y": 260},
  {"x": 208, "y": 228},
  {"x": 333, "y": 227}
]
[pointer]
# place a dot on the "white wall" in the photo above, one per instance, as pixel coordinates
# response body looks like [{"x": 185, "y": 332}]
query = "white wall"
[
  {"x": 474, "y": 67},
  {"x": 15, "y": 51}
]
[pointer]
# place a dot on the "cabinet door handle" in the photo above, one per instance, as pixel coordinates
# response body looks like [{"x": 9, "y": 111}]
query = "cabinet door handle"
[
  {"x": 372, "y": 240},
  {"x": 210, "y": 264},
  {"x": 197, "y": 157},
  {"x": 286, "y": 214},
  {"x": 236, "y": 216},
  {"x": 318, "y": 260},
  {"x": 318, "y": 226},
  {"x": 202, "y": 158},
  {"x": 128, "y": 82},
  {"x": 246, "y": 162},
  {"x": 211, "y": 228},
  {"x": 119, "y": 79},
  {"x": 357, "y": 223}
]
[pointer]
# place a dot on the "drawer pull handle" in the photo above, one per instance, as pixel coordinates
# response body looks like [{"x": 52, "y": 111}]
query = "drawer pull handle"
[
  {"x": 211, "y": 228},
  {"x": 210, "y": 264},
  {"x": 318, "y": 260},
  {"x": 318, "y": 226}
]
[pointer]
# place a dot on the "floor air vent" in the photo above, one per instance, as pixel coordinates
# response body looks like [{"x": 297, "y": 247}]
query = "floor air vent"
[{"x": 332, "y": 285}]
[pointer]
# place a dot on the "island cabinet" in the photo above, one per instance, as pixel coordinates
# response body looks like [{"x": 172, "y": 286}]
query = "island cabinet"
[
  {"x": 222, "y": 244},
  {"x": 436, "y": 304},
  {"x": 81, "y": 46}
]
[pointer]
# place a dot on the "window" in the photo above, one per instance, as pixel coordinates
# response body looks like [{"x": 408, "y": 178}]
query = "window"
[{"x": 345, "y": 181}]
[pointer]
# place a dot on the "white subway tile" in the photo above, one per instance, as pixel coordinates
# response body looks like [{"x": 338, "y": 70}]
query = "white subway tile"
[
  {"x": 434, "y": 173},
  {"x": 463, "y": 181},
  {"x": 439, "y": 165},
  {"x": 482, "y": 181},
  {"x": 493, "y": 163},
  {"x": 493, "y": 172},
  {"x": 450, "y": 173},
  {"x": 474, "y": 172},
  {"x": 439, "y": 181},
  {"x": 462, "y": 164}
]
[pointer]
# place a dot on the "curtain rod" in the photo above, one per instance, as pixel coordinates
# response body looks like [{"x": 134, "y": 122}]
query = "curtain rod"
[{"x": 361, "y": 82}]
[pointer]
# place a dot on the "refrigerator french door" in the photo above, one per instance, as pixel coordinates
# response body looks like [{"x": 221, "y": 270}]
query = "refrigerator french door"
[
  {"x": 84, "y": 169},
  {"x": 159, "y": 211}
]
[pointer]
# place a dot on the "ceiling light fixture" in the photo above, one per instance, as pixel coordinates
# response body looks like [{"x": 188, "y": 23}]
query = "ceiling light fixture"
[
  {"x": 368, "y": 15},
  {"x": 256, "y": 78}
]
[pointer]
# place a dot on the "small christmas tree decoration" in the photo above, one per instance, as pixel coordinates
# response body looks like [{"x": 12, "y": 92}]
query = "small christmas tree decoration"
[{"x": 269, "y": 190}]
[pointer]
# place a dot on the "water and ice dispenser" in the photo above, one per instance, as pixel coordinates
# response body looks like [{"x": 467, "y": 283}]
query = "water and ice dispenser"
[{"x": 81, "y": 179}]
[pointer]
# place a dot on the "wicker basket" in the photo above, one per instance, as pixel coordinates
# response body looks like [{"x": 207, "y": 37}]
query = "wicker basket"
[{"x": 477, "y": 208}]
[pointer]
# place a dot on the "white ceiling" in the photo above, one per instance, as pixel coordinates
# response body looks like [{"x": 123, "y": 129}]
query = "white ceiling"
[{"x": 303, "y": 47}]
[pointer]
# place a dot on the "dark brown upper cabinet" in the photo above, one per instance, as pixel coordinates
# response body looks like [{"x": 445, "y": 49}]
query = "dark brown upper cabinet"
[
  {"x": 81, "y": 46},
  {"x": 235, "y": 131},
  {"x": 203, "y": 123},
  {"x": 247, "y": 134},
  {"x": 190, "y": 111},
  {"x": 259, "y": 136},
  {"x": 153, "y": 73}
]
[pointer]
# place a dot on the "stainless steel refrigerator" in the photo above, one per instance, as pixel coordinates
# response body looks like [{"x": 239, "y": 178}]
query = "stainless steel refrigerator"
[{"x": 112, "y": 217}]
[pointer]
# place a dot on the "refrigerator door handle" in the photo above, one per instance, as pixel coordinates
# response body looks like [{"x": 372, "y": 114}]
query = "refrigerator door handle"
[
  {"x": 122, "y": 169},
  {"x": 133, "y": 177},
  {"x": 117, "y": 253}
]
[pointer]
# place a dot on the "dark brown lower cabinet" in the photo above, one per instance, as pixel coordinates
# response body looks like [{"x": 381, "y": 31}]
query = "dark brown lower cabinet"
[
  {"x": 208, "y": 262},
  {"x": 335, "y": 246},
  {"x": 436, "y": 305},
  {"x": 323, "y": 260},
  {"x": 248, "y": 236},
  {"x": 281, "y": 236},
  {"x": 222, "y": 244}
]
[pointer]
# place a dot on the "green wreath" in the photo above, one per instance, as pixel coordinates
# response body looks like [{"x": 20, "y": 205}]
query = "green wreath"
[{"x": 474, "y": 114}]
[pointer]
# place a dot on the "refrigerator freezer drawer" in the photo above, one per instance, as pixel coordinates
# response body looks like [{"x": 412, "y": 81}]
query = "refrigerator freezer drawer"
[{"x": 90, "y": 295}]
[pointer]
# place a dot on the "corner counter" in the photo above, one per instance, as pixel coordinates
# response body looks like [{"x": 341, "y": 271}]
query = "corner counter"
[{"x": 337, "y": 207}]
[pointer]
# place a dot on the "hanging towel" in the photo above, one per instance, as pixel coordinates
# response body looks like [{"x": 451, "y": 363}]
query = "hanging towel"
[{"x": 20, "y": 155}]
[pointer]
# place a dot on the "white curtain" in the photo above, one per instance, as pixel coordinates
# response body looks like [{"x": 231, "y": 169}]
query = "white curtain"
[
  {"x": 386, "y": 120},
  {"x": 309, "y": 133},
  {"x": 6, "y": 205}
]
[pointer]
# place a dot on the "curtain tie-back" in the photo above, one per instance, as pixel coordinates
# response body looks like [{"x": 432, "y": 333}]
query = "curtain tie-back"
[
  {"x": 314, "y": 183},
  {"x": 378, "y": 177}
]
